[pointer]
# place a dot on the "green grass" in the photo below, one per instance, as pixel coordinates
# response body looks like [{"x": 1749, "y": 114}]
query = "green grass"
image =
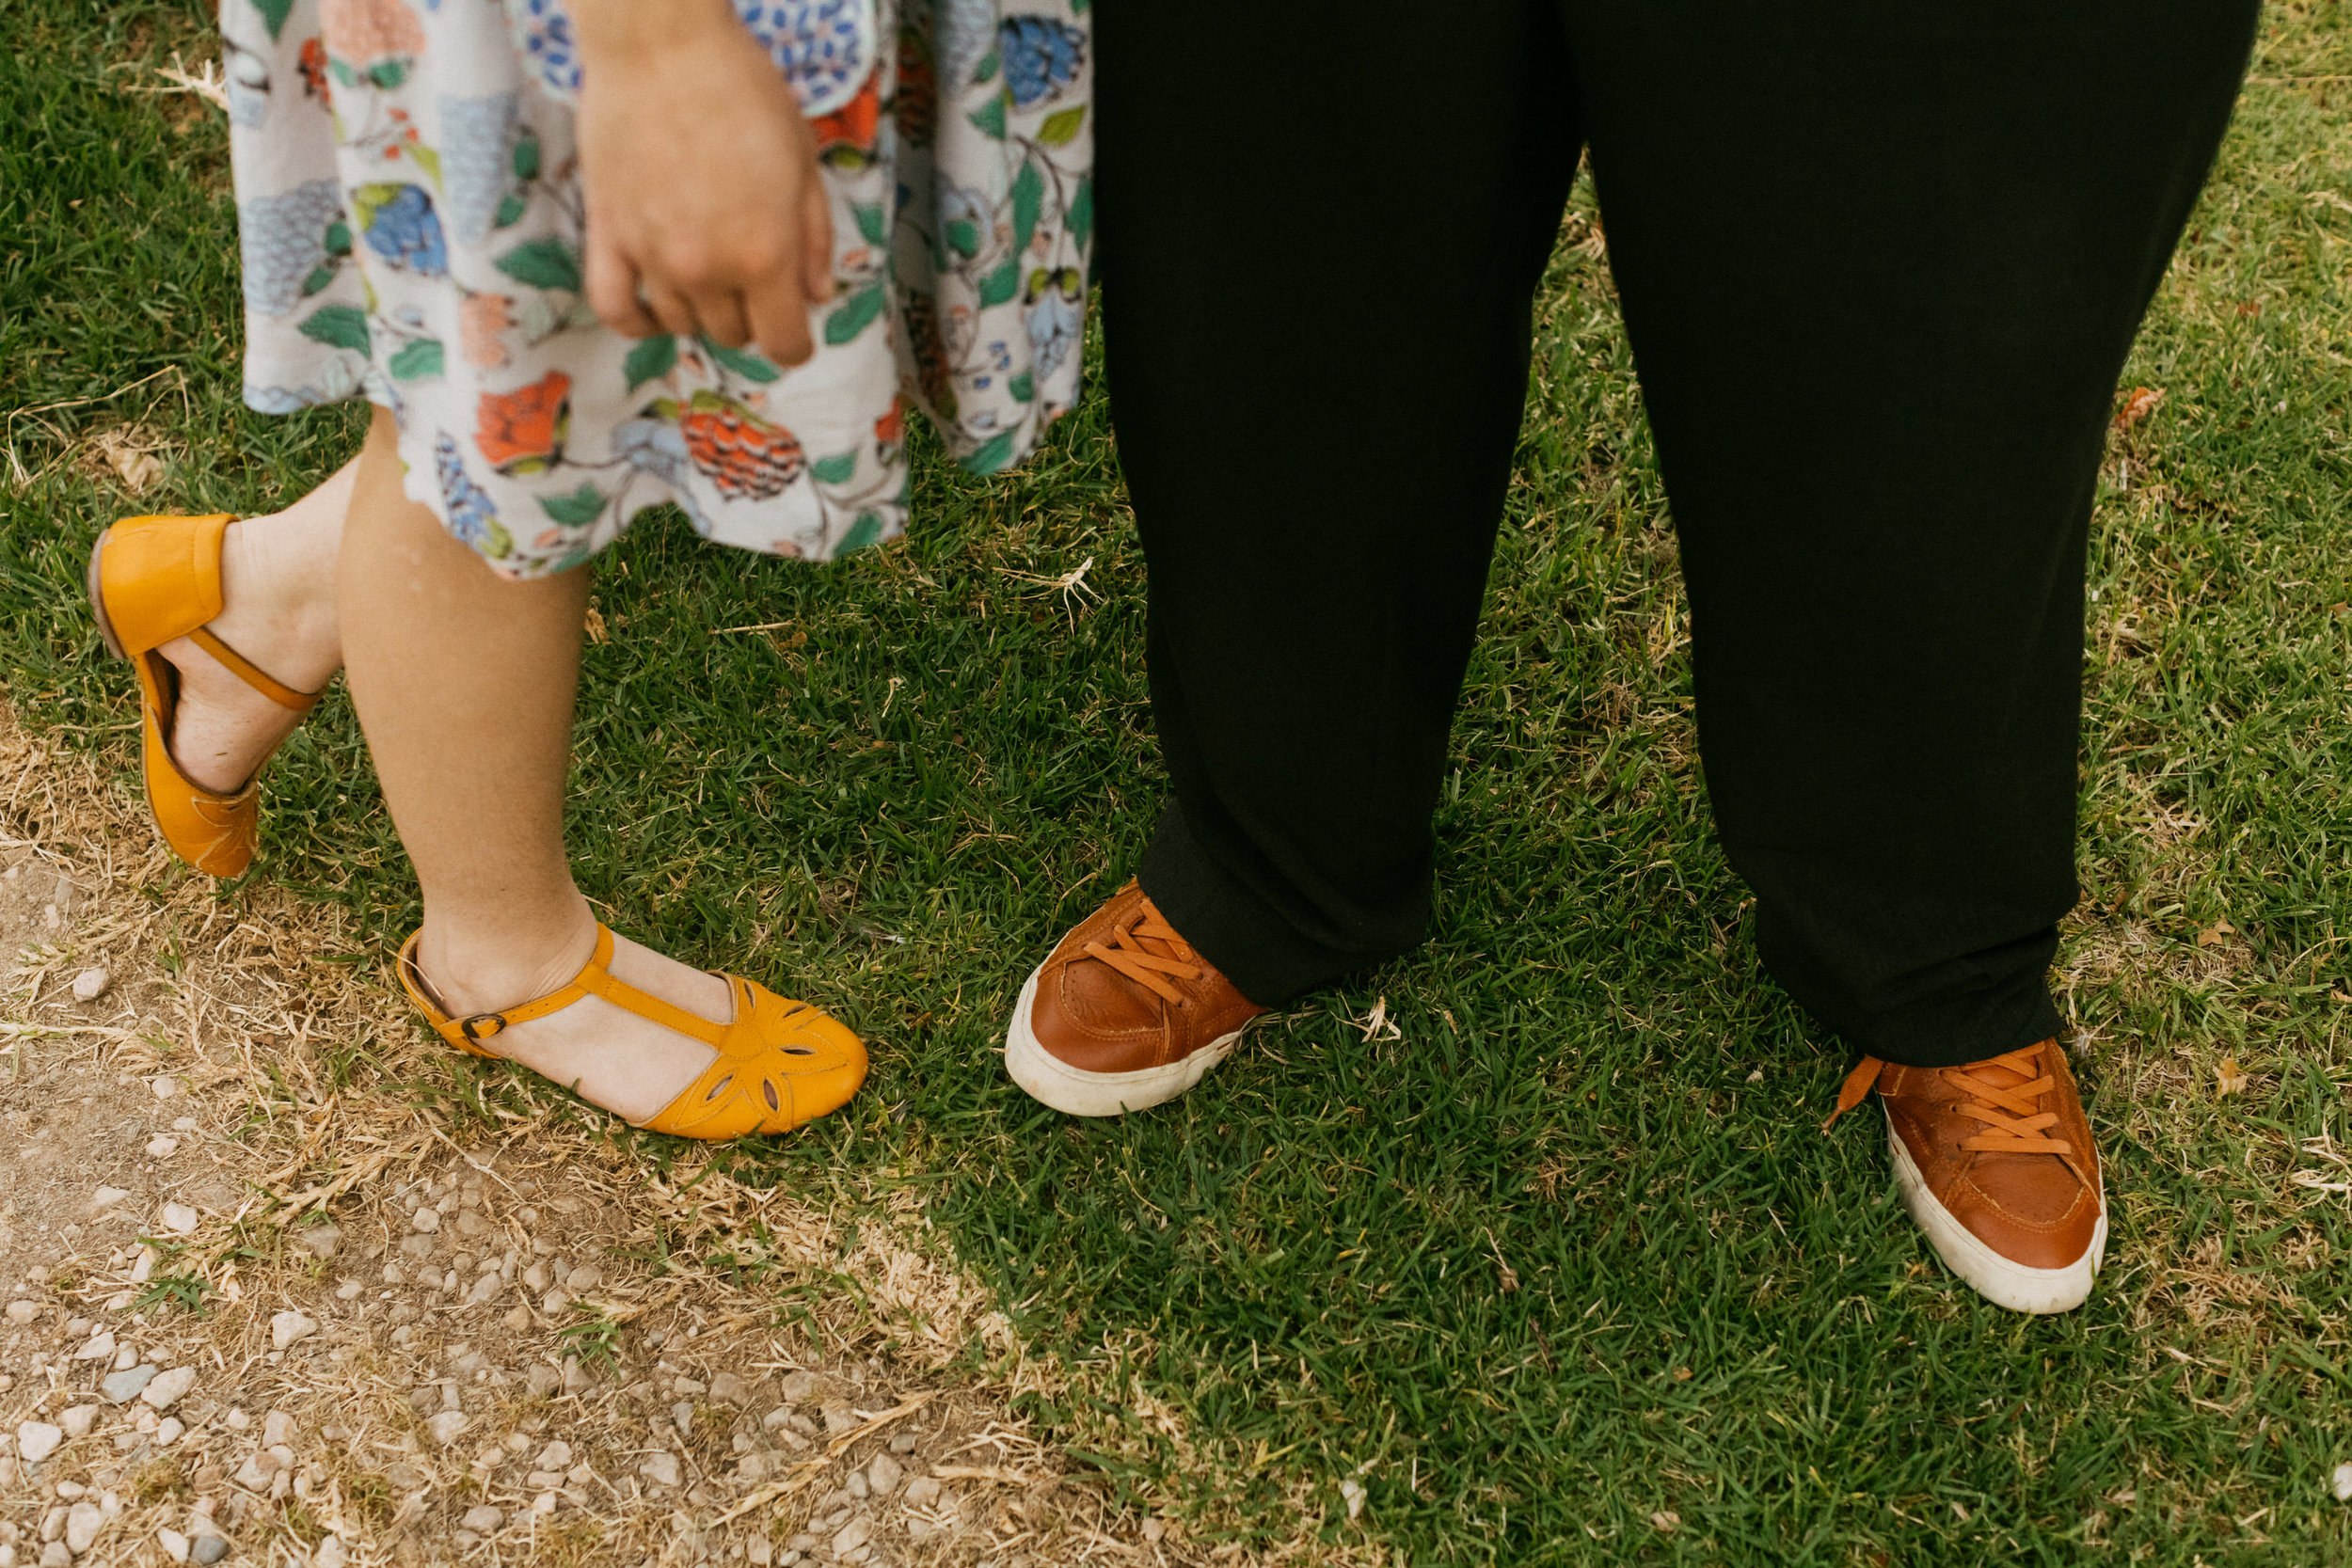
[{"x": 1568, "y": 1250}]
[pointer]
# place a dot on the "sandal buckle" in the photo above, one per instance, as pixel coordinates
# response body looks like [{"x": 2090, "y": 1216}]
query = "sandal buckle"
[{"x": 482, "y": 1026}]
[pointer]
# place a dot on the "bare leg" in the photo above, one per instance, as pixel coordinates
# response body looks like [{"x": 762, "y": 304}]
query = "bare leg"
[
  {"x": 464, "y": 683},
  {"x": 278, "y": 587}
]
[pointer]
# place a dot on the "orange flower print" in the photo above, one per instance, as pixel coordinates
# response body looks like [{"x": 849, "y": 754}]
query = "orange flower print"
[
  {"x": 312, "y": 63},
  {"x": 363, "y": 32},
  {"x": 891, "y": 428},
  {"x": 852, "y": 125},
  {"x": 522, "y": 432},
  {"x": 479, "y": 319}
]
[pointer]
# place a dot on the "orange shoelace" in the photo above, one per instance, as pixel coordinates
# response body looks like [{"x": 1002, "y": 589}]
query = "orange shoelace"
[
  {"x": 1144, "y": 948},
  {"x": 2016, "y": 1123}
]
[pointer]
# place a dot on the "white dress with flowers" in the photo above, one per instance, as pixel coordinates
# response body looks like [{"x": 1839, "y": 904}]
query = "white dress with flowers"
[{"x": 409, "y": 211}]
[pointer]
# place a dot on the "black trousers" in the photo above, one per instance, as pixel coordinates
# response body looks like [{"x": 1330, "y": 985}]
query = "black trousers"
[{"x": 1881, "y": 262}]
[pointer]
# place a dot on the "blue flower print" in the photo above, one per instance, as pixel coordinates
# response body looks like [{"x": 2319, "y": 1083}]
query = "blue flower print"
[
  {"x": 1055, "y": 322},
  {"x": 1041, "y": 57},
  {"x": 282, "y": 238},
  {"x": 477, "y": 159},
  {"x": 966, "y": 28},
  {"x": 550, "y": 51},
  {"x": 825, "y": 48},
  {"x": 658, "y": 446},
  {"x": 401, "y": 228},
  {"x": 473, "y": 515}
]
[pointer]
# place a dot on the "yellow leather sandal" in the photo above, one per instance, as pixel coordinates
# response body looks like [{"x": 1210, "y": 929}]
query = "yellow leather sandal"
[
  {"x": 779, "y": 1063},
  {"x": 152, "y": 579}
]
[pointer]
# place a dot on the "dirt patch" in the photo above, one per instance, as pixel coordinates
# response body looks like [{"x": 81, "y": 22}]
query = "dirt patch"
[{"x": 269, "y": 1298}]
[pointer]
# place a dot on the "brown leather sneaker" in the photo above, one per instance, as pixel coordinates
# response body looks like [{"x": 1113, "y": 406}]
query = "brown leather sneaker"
[
  {"x": 1995, "y": 1161},
  {"x": 1122, "y": 1016}
]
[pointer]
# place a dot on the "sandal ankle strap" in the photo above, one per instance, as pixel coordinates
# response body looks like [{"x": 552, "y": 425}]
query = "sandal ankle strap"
[{"x": 594, "y": 978}]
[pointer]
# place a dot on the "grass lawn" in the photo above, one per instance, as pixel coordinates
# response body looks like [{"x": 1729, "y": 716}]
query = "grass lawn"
[{"x": 1558, "y": 1260}]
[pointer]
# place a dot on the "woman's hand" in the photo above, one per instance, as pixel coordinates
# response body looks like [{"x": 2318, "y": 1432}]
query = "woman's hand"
[{"x": 707, "y": 213}]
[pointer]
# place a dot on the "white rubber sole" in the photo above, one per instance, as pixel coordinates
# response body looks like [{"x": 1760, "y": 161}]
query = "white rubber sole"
[
  {"x": 1991, "y": 1275},
  {"x": 1075, "y": 1092}
]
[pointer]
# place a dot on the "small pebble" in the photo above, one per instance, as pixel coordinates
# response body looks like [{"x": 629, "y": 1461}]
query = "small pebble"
[
  {"x": 321, "y": 1240},
  {"x": 123, "y": 1387},
  {"x": 426, "y": 1219},
  {"x": 165, "y": 1086},
  {"x": 178, "y": 1217},
  {"x": 207, "y": 1549},
  {"x": 922, "y": 1491},
  {"x": 90, "y": 984},
  {"x": 82, "y": 1524},
  {"x": 163, "y": 1146},
  {"x": 106, "y": 1197},
  {"x": 22, "y": 1312},
  {"x": 77, "y": 1420},
  {"x": 168, "y": 1387},
  {"x": 168, "y": 1431},
  {"x": 101, "y": 1347},
  {"x": 730, "y": 1390},
  {"x": 445, "y": 1426},
  {"x": 661, "y": 1468},
  {"x": 175, "y": 1545},
  {"x": 582, "y": 1279},
  {"x": 184, "y": 1124},
  {"x": 882, "y": 1475},
  {"x": 278, "y": 1430},
  {"x": 555, "y": 1456},
  {"x": 904, "y": 1443},
  {"x": 2342, "y": 1482},
  {"x": 484, "y": 1518},
  {"x": 287, "y": 1328}
]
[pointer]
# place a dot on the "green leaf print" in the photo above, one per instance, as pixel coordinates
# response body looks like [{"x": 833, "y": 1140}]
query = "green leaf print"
[
  {"x": 963, "y": 237},
  {"x": 547, "y": 263},
  {"x": 862, "y": 535},
  {"x": 577, "y": 510},
  {"x": 1028, "y": 195},
  {"x": 274, "y": 13},
  {"x": 341, "y": 73},
  {"x": 339, "y": 238},
  {"x": 651, "y": 358},
  {"x": 1079, "y": 221},
  {"x": 991, "y": 120},
  {"x": 428, "y": 161},
  {"x": 419, "y": 356},
  {"x": 985, "y": 71},
  {"x": 1001, "y": 283},
  {"x": 527, "y": 155},
  {"x": 853, "y": 318},
  {"x": 834, "y": 471},
  {"x": 1061, "y": 125},
  {"x": 510, "y": 210},
  {"x": 746, "y": 363},
  {"x": 990, "y": 458},
  {"x": 389, "y": 74},
  {"x": 870, "y": 223},
  {"x": 320, "y": 278},
  {"x": 1021, "y": 387},
  {"x": 338, "y": 326}
]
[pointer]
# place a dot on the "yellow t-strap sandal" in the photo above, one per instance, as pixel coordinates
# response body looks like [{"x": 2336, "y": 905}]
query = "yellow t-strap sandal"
[
  {"x": 152, "y": 579},
  {"x": 779, "y": 1063}
]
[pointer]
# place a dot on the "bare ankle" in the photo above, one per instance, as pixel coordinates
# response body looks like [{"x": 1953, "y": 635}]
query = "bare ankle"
[{"x": 483, "y": 972}]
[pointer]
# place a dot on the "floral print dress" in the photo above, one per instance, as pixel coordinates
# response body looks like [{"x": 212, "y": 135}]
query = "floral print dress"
[{"x": 409, "y": 212}]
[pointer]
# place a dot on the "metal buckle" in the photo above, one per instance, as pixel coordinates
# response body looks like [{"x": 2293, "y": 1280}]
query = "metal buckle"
[{"x": 496, "y": 1025}]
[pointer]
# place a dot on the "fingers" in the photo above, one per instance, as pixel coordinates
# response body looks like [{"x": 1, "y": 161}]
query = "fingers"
[
  {"x": 779, "y": 322},
  {"x": 816, "y": 243},
  {"x": 612, "y": 289},
  {"x": 719, "y": 315}
]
